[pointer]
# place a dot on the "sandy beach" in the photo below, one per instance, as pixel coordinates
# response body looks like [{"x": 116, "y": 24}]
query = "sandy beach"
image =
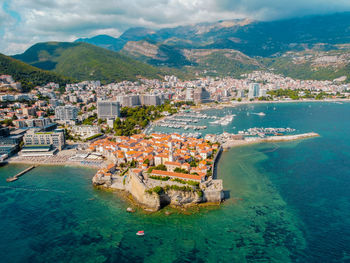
[{"x": 61, "y": 158}]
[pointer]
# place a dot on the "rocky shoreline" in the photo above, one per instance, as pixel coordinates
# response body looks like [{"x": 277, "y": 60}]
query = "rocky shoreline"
[
  {"x": 169, "y": 193},
  {"x": 141, "y": 188}
]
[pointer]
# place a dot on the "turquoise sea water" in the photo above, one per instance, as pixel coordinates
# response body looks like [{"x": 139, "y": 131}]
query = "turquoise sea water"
[{"x": 288, "y": 202}]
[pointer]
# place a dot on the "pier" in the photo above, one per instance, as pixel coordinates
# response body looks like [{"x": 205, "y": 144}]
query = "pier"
[{"x": 14, "y": 178}]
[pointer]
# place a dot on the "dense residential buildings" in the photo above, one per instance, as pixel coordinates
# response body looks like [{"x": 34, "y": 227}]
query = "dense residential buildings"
[
  {"x": 192, "y": 156},
  {"x": 253, "y": 90},
  {"x": 33, "y": 123},
  {"x": 45, "y": 106}
]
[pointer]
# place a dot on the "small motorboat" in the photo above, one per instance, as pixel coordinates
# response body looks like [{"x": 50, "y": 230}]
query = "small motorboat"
[{"x": 140, "y": 233}]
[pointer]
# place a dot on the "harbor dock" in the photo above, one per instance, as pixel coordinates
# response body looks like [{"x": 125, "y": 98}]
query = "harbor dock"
[{"x": 14, "y": 178}]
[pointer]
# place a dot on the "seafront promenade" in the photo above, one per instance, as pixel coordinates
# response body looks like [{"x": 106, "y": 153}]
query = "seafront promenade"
[{"x": 255, "y": 102}]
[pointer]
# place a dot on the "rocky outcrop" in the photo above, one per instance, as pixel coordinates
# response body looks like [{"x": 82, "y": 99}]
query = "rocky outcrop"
[
  {"x": 213, "y": 196},
  {"x": 135, "y": 185},
  {"x": 180, "y": 198},
  {"x": 101, "y": 180}
]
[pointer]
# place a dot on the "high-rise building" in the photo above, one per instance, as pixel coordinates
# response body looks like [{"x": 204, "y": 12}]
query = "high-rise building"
[
  {"x": 253, "y": 90},
  {"x": 201, "y": 95},
  {"x": 240, "y": 93},
  {"x": 189, "y": 94},
  {"x": 129, "y": 100},
  {"x": 66, "y": 113},
  {"x": 262, "y": 93},
  {"x": 151, "y": 99},
  {"x": 108, "y": 109}
]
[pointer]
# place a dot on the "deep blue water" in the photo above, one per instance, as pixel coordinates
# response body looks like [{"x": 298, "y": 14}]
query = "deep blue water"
[{"x": 289, "y": 202}]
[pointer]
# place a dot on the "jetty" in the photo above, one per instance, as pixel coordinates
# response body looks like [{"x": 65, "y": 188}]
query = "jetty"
[{"x": 14, "y": 178}]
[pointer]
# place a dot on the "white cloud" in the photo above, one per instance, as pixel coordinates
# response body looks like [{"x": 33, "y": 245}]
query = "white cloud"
[{"x": 65, "y": 20}]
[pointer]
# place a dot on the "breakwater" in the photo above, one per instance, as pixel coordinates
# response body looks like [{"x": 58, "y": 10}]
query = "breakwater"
[{"x": 251, "y": 140}]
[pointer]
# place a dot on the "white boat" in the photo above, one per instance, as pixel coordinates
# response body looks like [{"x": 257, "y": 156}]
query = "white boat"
[
  {"x": 261, "y": 114},
  {"x": 140, "y": 233}
]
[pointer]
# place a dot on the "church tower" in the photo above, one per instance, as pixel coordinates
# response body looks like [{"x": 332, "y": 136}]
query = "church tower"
[{"x": 171, "y": 152}]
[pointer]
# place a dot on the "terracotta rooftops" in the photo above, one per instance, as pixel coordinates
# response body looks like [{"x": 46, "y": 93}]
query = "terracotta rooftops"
[{"x": 178, "y": 175}]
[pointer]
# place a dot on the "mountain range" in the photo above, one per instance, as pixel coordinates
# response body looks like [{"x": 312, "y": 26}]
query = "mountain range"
[
  {"x": 313, "y": 47},
  {"x": 306, "y": 47},
  {"x": 254, "y": 38}
]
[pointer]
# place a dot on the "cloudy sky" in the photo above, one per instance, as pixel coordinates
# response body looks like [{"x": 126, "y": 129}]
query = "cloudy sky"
[{"x": 25, "y": 22}]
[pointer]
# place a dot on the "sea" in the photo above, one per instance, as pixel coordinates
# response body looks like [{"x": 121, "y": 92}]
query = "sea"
[{"x": 286, "y": 202}]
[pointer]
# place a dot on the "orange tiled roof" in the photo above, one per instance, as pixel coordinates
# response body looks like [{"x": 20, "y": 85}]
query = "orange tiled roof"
[
  {"x": 172, "y": 163},
  {"x": 110, "y": 166},
  {"x": 178, "y": 175}
]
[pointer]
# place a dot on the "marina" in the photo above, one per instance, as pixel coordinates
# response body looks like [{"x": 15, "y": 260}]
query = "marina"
[
  {"x": 185, "y": 121},
  {"x": 224, "y": 120},
  {"x": 178, "y": 125},
  {"x": 195, "y": 115}
]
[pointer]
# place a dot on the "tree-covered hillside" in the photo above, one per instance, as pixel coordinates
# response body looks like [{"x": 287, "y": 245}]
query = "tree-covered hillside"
[
  {"x": 84, "y": 61},
  {"x": 28, "y": 75}
]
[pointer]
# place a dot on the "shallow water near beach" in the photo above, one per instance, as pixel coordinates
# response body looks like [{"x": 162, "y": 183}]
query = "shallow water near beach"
[{"x": 288, "y": 202}]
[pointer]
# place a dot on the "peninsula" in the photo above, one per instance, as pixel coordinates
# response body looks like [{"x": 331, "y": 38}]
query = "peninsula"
[
  {"x": 169, "y": 169},
  {"x": 161, "y": 169}
]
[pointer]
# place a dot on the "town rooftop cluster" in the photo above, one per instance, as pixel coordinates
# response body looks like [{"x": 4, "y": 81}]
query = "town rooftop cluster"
[{"x": 191, "y": 156}]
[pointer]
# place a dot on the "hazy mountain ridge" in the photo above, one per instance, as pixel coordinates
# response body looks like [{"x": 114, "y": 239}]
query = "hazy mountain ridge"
[
  {"x": 253, "y": 38},
  {"x": 309, "y": 47}
]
